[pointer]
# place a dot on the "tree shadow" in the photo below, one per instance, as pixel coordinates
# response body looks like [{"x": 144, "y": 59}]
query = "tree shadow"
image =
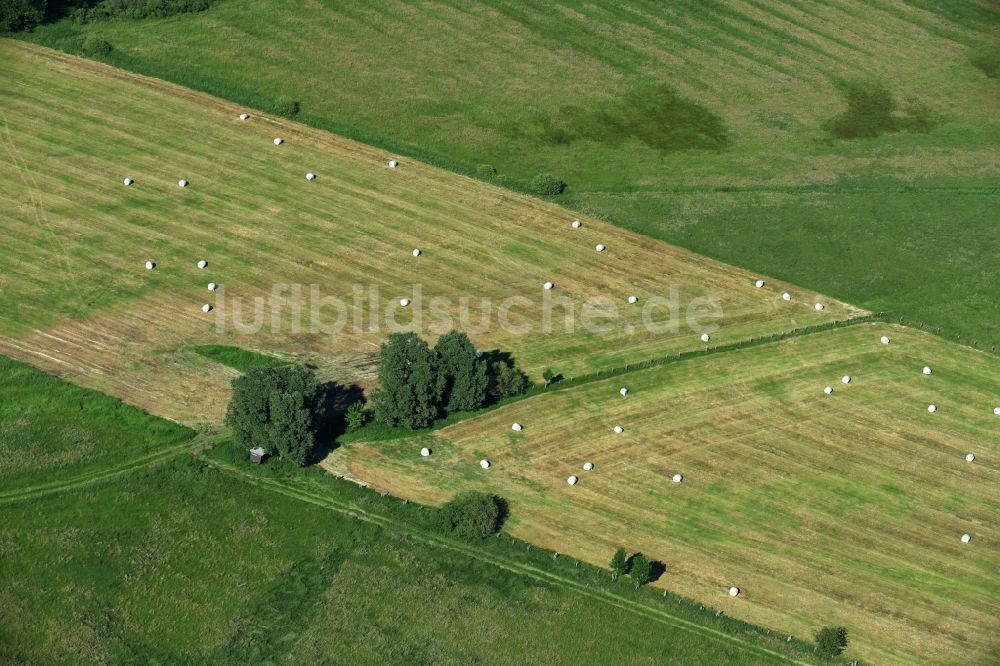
[
  {"x": 336, "y": 399},
  {"x": 656, "y": 570}
]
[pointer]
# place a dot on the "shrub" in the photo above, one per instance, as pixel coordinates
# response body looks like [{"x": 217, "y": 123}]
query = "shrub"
[
  {"x": 462, "y": 377},
  {"x": 108, "y": 10},
  {"x": 472, "y": 515},
  {"x": 641, "y": 570},
  {"x": 486, "y": 171},
  {"x": 20, "y": 15},
  {"x": 287, "y": 107},
  {"x": 831, "y": 641},
  {"x": 95, "y": 46},
  {"x": 547, "y": 184},
  {"x": 356, "y": 416},
  {"x": 277, "y": 409},
  {"x": 410, "y": 391},
  {"x": 619, "y": 562},
  {"x": 510, "y": 380}
]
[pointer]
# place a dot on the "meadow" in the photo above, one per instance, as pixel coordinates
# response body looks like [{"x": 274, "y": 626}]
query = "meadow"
[
  {"x": 78, "y": 302},
  {"x": 845, "y": 146},
  {"x": 181, "y": 561},
  {"x": 843, "y": 509}
]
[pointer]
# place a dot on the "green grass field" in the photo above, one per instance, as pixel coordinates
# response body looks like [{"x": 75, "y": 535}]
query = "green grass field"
[
  {"x": 77, "y": 300},
  {"x": 846, "y": 146},
  {"x": 844, "y": 509},
  {"x": 185, "y": 563},
  {"x": 50, "y": 429}
]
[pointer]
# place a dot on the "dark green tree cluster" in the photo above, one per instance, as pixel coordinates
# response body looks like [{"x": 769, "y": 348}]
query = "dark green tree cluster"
[
  {"x": 420, "y": 383},
  {"x": 640, "y": 568},
  {"x": 20, "y": 15},
  {"x": 472, "y": 515},
  {"x": 831, "y": 641},
  {"x": 278, "y": 409}
]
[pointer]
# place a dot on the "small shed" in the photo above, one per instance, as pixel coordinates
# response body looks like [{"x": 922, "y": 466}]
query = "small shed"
[{"x": 257, "y": 455}]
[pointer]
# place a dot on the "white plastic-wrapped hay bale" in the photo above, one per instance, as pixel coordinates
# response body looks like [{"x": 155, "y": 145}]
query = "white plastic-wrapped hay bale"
[
  {"x": 244, "y": 116},
  {"x": 786, "y": 296},
  {"x": 572, "y": 480},
  {"x": 966, "y": 538},
  {"x": 404, "y": 302},
  {"x": 150, "y": 265},
  {"x": 484, "y": 463},
  {"x": 734, "y": 591},
  {"x": 846, "y": 379},
  {"x": 310, "y": 176},
  {"x": 623, "y": 391},
  {"x": 705, "y": 337},
  {"x": 416, "y": 252},
  {"x": 677, "y": 478},
  {"x": 970, "y": 457},
  {"x": 517, "y": 427},
  {"x": 884, "y": 339},
  {"x": 932, "y": 408},
  {"x": 600, "y": 247},
  {"x": 202, "y": 264},
  {"x": 759, "y": 284},
  {"x": 547, "y": 286},
  {"x": 619, "y": 429},
  {"x": 425, "y": 452},
  {"x": 206, "y": 308},
  {"x": 393, "y": 164},
  {"x": 927, "y": 370},
  {"x": 182, "y": 183},
  {"x": 828, "y": 390},
  {"x": 212, "y": 286},
  {"x": 819, "y": 307},
  {"x": 633, "y": 299},
  {"x": 278, "y": 141},
  {"x": 587, "y": 466},
  {"x": 996, "y": 410},
  {"x": 128, "y": 181},
  {"x": 577, "y": 224}
]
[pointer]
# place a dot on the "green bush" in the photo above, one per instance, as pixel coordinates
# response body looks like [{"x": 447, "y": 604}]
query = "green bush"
[
  {"x": 510, "y": 381},
  {"x": 641, "y": 571},
  {"x": 20, "y": 15},
  {"x": 278, "y": 409},
  {"x": 95, "y": 46},
  {"x": 287, "y": 107},
  {"x": 472, "y": 515},
  {"x": 108, "y": 10},
  {"x": 356, "y": 416},
  {"x": 831, "y": 641},
  {"x": 619, "y": 562},
  {"x": 547, "y": 184}
]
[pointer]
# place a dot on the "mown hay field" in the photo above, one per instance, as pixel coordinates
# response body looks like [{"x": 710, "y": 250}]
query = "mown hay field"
[
  {"x": 842, "y": 509},
  {"x": 77, "y": 301}
]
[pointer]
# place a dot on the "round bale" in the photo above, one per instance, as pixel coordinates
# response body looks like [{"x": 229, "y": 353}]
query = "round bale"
[
  {"x": 619, "y": 429},
  {"x": 150, "y": 265},
  {"x": 393, "y": 164},
  {"x": 182, "y": 183},
  {"x": 577, "y": 224},
  {"x": 587, "y": 466},
  {"x": 786, "y": 296},
  {"x": 885, "y": 339},
  {"x": 623, "y": 391},
  {"x": 206, "y": 308},
  {"x": 677, "y": 478},
  {"x": 572, "y": 480},
  {"x": 599, "y": 247},
  {"x": 404, "y": 302},
  {"x": 970, "y": 457},
  {"x": 734, "y": 591},
  {"x": 819, "y": 307},
  {"x": 846, "y": 379},
  {"x": 705, "y": 337},
  {"x": 128, "y": 181},
  {"x": 310, "y": 176},
  {"x": 927, "y": 370},
  {"x": 932, "y": 408},
  {"x": 633, "y": 299},
  {"x": 966, "y": 538},
  {"x": 202, "y": 264},
  {"x": 425, "y": 452},
  {"x": 828, "y": 390},
  {"x": 212, "y": 286},
  {"x": 517, "y": 426},
  {"x": 759, "y": 284},
  {"x": 547, "y": 286},
  {"x": 278, "y": 141},
  {"x": 244, "y": 116},
  {"x": 484, "y": 463},
  {"x": 416, "y": 252}
]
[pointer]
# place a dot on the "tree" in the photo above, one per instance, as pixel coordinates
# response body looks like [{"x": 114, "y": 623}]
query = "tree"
[
  {"x": 642, "y": 570},
  {"x": 510, "y": 380},
  {"x": 20, "y": 15},
  {"x": 548, "y": 375},
  {"x": 619, "y": 562},
  {"x": 831, "y": 641},
  {"x": 278, "y": 409},
  {"x": 472, "y": 515},
  {"x": 462, "y": 377},
  {"x": 546, "y": 183},
  {"x": 410, "y": 391},
  {"x": 356, "y": 416}
]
